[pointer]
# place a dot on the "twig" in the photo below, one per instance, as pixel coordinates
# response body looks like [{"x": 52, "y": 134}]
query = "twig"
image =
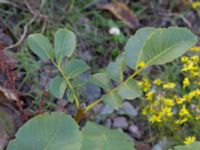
[
  {"x": 38, "y": 14},
  {"x": 35, "y": 15},
  {"x": 25, "y": 29},
  {"x": 30, "y": 9},
  {"x": 23, "y": 35},
  {"x": 185, "y": 20}
]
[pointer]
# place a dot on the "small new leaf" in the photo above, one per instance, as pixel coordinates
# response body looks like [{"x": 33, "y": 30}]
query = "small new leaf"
[
  {"x": 115, "y": 69},
  {"x": 58, "y": 86},
  {"x": 70, "y": 95}
]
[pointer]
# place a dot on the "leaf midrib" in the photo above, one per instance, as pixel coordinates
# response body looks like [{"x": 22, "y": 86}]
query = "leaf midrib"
[{"x": 164, "y": 51}]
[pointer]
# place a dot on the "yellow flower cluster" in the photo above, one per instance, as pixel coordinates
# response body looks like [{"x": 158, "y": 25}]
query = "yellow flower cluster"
[
  {"x": 195, "y": 49},
  {"x": 196, "y": 5},
  {"x": 159, "y": 108},
  {"x": 175, "y": 105},
  {"x": 169, "y": 85},
  {"x": 191, "y": 65},
  {"x": 189, "y": 140}
]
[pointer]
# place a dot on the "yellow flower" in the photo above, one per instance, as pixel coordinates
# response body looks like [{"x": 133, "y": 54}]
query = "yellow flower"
[
  {"x": 186, "y": 82},
  {"x": 180, "y": 100},
  {"x": 169, "y": 102},
  {"x": 189, "y": 66},
  {"x": 157, "y": 82},
  {"x": 144, "y": 111},
  {"x": 155, "y": 118},
  {"x": 141, "y": 65},
  {"x": 192, "y": 94},
  {"x": 166, "y": 111},
  {"x": 150, "y": 95},
  {"x": 196, "y": 92},
  {"x": 169, "y": 85},
  {"x": 145, "y": 85},
  {"x": 197, "y": 117},
  {"x": 183, "y": 111},
  {"x": 195, "y": 48},
  {"x": 196, "y": 5},
  {"x": 195, "y": 58},
  {"x": 184, "y": 59},
  {"x": 189, "y": 140}
]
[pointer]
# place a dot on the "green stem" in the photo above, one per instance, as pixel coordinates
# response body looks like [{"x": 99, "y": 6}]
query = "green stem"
[
  {"x": 90, "y": 106},
  {"x": 70, "y": 85},
  {"x": 68, "y": 82}
]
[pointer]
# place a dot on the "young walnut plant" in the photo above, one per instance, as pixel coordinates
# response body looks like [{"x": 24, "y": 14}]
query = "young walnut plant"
[{"x": 149, "y": 46}]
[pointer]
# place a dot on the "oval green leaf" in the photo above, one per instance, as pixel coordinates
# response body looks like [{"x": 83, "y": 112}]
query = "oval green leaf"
[
  {"x": 101, "y": 79},
  {"x": 113, "y": 100},
  {"x": 40, "y": 46},
  {"x": 75, "y": 67},
  {"x": 55, "y": 131},
  {"x": 135, "y": 44},
  {"x": 129, "y": 90},
  {"x": 70, "y": 95},
  {"x": 58, "y": 86},
  {"x": 115, "y": 69},
  {"x": 167, "y": 44},
  {"x": 64, "y": 43},
  {"x": 96, "y": 137}
]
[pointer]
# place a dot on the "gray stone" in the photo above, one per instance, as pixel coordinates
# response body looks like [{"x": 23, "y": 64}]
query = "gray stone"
[
  {"x": 135, "y": 132},
  {"x": 120, "y": 122},
  {"x": 128, "y": 109}
]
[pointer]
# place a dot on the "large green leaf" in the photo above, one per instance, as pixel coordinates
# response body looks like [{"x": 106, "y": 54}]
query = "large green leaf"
[
  {"x": 96, "y": 137},
  {"x": 101, "y": 79},
  {"x": 41, "y": 46},
  {"x": 64, "y": 43},
  {"x": 58, "y": 86},
  {"x": 55, "y": 131},
  {"x": 75, "y": 67},
  {"x": 129, "y": 89},
  {"x": 166, "y": 44},
  {"x": 115, "y": 69},
  {"x": 193, "y": 146},
  {"x": 135, "y": 44},
  {"x": 113, "y": 100}
]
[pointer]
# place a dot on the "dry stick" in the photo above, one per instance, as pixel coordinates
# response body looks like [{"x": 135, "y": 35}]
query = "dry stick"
[
  {"x": 30, "y": 9},
  {"x": 25, "y": 29},
  {"x": 35, "y": 15},
  {"x": 23, "y": 35},
  {"x": 185, "y": 20}
]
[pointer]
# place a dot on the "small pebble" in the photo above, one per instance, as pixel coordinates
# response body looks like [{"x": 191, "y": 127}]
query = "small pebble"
[
  {"x": 120, "y": 122},
  {"x": 135, "y": 132}
]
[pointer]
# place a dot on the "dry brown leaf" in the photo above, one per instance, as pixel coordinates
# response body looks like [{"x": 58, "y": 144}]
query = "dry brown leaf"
[
  {"x": 7, "y": 94},
  {"x": 122, "y": 12},
  {"x": 9, "y": 117}
]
